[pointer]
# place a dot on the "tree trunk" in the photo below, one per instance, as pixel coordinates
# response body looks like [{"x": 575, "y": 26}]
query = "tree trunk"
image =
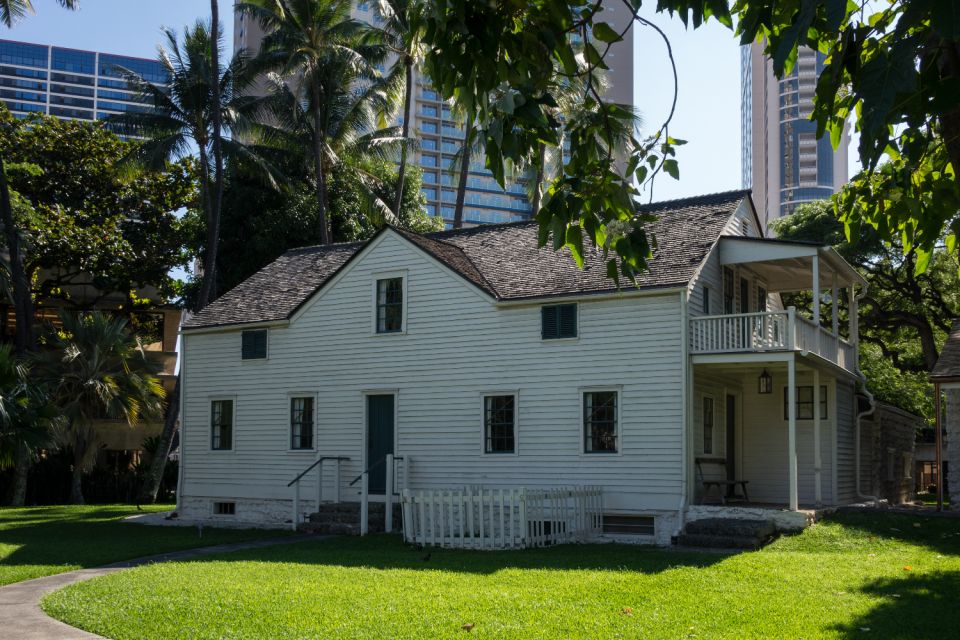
[
  {"x": 208, "y": 290},
  {"x": 22, "y": 303},
  {"x": 538, "y": 186},
  {"x": 151, "y": 483},
  {"x": 21, "y": 467},
  {"x": 322, "y": 219},
  {"x": 462, "y": 182},
  {"x": 407, "y": 99},
  {"x": 76, "y": 478}
]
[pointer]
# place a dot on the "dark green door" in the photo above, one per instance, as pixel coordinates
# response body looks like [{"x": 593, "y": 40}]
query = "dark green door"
[{"x": 379, "y": 439}]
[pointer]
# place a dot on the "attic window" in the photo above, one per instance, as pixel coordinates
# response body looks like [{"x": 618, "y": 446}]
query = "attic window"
[
  {"x": 745, "y": 228},
  {"x": 253, "y": 345},
  {"x": 558, "y": 321}
]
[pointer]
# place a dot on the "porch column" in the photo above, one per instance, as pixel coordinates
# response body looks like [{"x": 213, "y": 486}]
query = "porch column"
[
  {"x": 817, "y": 462},
  {"x": 834, "y": 307},
  {"x": 816, "y": 299},
  {"x": 792, "y": 431}
]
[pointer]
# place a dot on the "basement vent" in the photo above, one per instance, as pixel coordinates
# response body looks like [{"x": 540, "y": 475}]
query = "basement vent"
[
  {"x": 224, "y": 508},
  {"x": 631, "y": 525}
]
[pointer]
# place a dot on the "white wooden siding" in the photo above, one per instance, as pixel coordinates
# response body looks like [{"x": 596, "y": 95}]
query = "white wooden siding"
[
  {"x": 847, "y": 414},
  {"x": 764, "y": 442},
  {"x": 457, "y": 344}
]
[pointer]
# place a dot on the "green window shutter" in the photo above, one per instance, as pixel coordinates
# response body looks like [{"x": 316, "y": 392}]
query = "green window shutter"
[
  {"x": 548, "y": 322},
  {"x": 253, "y": 344},
  {"x": 567, "y": 321},
  {"x": 558, "y": 321}
]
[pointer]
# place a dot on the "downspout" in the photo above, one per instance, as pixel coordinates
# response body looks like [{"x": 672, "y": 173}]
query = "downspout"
[
  {"x": 183, "y": 393},
  {"x": 685, "y": 388},
  {"x": 862, "y": 414}
]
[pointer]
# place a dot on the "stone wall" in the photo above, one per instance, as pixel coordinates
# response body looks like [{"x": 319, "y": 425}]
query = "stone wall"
[
  {"x": 887, "y": 441},
  {"x": 951, "y": 453}
]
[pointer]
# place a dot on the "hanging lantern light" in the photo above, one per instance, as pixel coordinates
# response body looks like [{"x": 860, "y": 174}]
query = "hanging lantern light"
[{"x": 765, "y": 383}]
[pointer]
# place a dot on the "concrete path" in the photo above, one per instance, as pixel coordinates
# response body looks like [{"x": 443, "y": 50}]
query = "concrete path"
[{"x": 22, "y": 618}]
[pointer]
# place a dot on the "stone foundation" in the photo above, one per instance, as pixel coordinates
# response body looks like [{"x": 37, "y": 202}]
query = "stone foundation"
[
  {"x": 250, "y": 513},
  {"x": 783, "y": 519}
]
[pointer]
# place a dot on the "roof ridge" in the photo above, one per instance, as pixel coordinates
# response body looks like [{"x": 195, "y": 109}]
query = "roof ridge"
[
  {"x": 732, "y": 193},
  {"x": 322, "y": 247}
]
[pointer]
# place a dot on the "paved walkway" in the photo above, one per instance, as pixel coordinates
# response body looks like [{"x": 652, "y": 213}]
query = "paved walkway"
[{"x": 22, "y": 618}]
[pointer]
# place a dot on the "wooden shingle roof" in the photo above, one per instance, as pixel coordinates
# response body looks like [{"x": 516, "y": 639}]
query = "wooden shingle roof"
[
  {"x": 503, "y": 260},
  {"x": 948, "y": 365}
]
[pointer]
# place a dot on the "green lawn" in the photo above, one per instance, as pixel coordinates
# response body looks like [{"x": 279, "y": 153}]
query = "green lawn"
[
  {"x": 853, "y": 577},
  {"x": 40, "y": 541}
]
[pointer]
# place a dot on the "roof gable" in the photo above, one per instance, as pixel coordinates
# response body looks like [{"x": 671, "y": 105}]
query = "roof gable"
[
  {"x": 503, "y": 260},
  {"x": 948, "y": 365}
]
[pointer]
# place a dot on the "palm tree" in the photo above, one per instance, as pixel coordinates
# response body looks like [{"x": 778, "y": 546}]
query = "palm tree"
[
  {"x": 182, "y": 119},
  {"x": 355, "y": 104},
  {"x": 397, "y": 20},
  {"x": 208, "y": 290},
  {"x": 12, "y": 11},
  {"x": 466, "y": 150},
  {"x": 304, "y": 38},
  {"x": 27, "y": 420},
  {"x": 96, "y": 369}
]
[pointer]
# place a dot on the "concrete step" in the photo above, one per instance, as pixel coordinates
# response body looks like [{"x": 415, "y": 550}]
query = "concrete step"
[
  {"x": 707, "y": 541},
  {"x": 732, "y": 527}
]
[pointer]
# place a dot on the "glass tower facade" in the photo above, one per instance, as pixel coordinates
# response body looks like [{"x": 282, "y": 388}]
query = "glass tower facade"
[
  {"x": 783, "y": 161},
  {"x": 71, "y": 84},
  {"x": 441, "y": 135}
]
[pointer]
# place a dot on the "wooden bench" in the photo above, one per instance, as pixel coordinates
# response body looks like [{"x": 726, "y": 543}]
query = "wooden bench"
[{"x": 723, "y": 486}]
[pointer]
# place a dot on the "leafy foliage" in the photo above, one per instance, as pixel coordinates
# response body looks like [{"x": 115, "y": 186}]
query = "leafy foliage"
[
  {"x": 501, "y": 63},
  {"x": 261, "y": 223},
  {"x": 895, "y": 68},
  {"x": 905, "y": 315},
  {"x": 85, "y": 215}
]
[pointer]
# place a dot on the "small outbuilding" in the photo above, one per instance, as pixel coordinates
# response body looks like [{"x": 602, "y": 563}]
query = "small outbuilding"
[{"x": 946, "y": 383}]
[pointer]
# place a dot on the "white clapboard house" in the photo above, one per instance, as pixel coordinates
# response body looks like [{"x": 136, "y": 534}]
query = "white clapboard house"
[{"x": 480, "y": 365}]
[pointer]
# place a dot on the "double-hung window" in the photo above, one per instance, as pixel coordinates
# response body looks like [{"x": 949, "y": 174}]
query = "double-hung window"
[
  {"x": 301, "y": 422},
  {"x": 221, "y": 425},
  {"x": 390, "y": 305},
  {"x": 499, "y": 423},
  {"x": 729, "y": 295},
  {"x": 600, "y": 428},
  {"x": 805, "y": 403},
  {"x": 708, "y": 424}
]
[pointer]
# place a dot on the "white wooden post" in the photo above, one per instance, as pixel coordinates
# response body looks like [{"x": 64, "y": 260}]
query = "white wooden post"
[
  {"x": 791, "y": 328},
  {"x": 792, "y": 431},
  {"x": 388, "y": 498},
  {"x": 296, "y": 505},
  {"x": 817, "y": 462},
  {"x": 364, "y": 503},
  {"x": 855, "y": 323},
  {"x": 816, "y": 300},
  {"x": 834, "y": 306}
]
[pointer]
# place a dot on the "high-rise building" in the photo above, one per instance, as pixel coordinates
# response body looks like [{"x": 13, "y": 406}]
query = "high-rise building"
[
  {"x": 68, "y": 83},
  {"x": 441, "y": 135},
  {"x": 783, "y": 161}
]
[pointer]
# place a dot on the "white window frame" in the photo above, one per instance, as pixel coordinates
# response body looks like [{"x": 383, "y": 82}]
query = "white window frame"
[
  {"x": 581, "y": 392},
  {"x": 816, "y": 402},
  {"x": 516, "y": 422},
  {"x": 316, "y": 415},
  {"x": 389, "y": 275},
  {"x": 233, "y": 424}
]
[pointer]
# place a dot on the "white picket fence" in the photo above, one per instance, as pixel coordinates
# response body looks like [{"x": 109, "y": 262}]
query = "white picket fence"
[{"x": 477, "y": 518}]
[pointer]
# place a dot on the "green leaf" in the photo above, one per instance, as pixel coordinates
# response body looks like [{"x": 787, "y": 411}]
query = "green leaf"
[
  {"x": 604, "y": 33},
  {"x": 671, "y": 167}
]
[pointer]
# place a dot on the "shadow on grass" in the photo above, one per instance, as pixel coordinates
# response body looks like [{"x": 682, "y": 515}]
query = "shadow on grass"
[
  {"x": 389, "y": 552},
  {"x": 914, "y": 607}
]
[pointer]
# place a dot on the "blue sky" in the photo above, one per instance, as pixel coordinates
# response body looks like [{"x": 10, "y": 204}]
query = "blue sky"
[{"x": 708, "y": 64}]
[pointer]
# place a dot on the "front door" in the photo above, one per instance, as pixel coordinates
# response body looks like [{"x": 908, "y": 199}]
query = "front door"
[
  {"x": 730, "y": 429},
  {"x": 379, "y": 439}
]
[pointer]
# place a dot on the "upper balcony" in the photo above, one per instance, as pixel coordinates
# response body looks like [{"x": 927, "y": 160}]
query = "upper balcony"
[{"x": 784, "y": 267}]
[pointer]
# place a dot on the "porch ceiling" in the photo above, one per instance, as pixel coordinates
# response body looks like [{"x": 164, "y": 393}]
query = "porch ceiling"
[{"x": 788, "y": 266}]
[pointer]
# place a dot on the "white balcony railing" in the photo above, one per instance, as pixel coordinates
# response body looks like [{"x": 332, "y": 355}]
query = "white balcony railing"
[{"x": 768, "y": 331}]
